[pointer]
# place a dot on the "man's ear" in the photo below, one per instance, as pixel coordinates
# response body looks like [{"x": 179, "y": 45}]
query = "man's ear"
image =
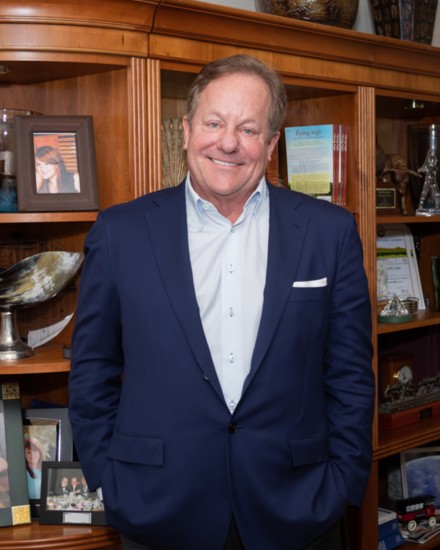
[
  {"x": 186, "y": 131},
  {"x": 272, "y": 144}
]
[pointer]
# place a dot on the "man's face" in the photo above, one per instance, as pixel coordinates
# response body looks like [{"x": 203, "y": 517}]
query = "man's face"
[{"x": 227, "y": 143}]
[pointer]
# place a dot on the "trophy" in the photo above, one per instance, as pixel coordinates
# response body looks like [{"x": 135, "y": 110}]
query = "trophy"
[
  {"x": 429, "y": 203},
  {"x": 29, "y": 282}
]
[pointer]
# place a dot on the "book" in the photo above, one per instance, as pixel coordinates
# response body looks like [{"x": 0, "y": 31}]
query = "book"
[
  {"x": 342, "y": 172},
  {"x": 317, "y": 159},
  {"x": 397, "y": 268},
  {"x": 391, "y": 541},
  {"x": 422, "y": 534},
  {"x": 336, "y": 164},
  {"x": 388, "y": 523}
]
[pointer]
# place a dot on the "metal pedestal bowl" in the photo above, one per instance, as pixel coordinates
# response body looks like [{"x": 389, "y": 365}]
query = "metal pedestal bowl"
[{"x": 29, "y": 282}]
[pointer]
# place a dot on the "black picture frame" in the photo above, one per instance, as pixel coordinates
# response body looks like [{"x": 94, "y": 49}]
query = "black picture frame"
[
  {"x": 60, "y": 417},
  {"x": 14, "y": 501},
  {"x": 71, "y": 506},
  {"x": 420, "y": 468},
  {"x": 65, "y": 143}
]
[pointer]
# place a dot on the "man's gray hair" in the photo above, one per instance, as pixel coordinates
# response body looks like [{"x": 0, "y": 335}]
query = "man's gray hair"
[{"x": 242, "y": 64}]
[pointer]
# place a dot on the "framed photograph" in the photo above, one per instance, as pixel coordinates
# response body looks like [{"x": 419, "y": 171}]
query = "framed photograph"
[
  {"x": 55, "y": 163},
  {"x": 40, "y": 444},
  {"x": 14, "y": 501},
  {"x": 58, "y": 417},
  {"x": 65, "y": 497},
  {"x": 420, "y": 469},
  {"x": 47, "y": 437}
]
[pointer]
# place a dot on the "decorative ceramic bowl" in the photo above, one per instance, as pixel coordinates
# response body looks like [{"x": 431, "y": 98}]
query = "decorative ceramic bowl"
[
  {"x": 339, "y": 13},
  {"x": 405, "y": 19}
]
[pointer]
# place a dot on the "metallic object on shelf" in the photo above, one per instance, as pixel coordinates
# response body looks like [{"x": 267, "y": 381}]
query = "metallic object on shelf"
[
  {"x": 411, "y": 304},
  {"x": 31, "y": 281},
  {"x": 402, "y": 396},
  {"x": 430, "y": 186},
  {"x": 423, "y": 138}
]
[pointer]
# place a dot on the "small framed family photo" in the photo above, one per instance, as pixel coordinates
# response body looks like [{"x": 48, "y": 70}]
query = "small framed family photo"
[
  {"x": 14, "y": 501},
  {"x": 65, "y": 496},
  {"x": 55, "y": 163},
  {"x": 421, "y": 473}
]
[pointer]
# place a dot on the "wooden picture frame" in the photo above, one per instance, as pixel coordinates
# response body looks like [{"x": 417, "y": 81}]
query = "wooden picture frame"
[
  {"x": 55, "y": 163},
  {"x": 65, "y": 503},
  {"x": 14, "y": 501}
]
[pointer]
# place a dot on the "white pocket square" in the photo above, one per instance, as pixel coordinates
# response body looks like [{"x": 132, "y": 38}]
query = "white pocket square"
[{"x": 315, "y": 283}]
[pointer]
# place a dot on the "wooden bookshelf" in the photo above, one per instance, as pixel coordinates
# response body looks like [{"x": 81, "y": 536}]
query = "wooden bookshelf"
[{"x": 129, "y": 63}]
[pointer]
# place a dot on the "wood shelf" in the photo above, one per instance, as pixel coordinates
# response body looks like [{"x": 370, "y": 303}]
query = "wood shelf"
[
  {"x": 47, "y": 359},
  {"x": 58, "y": 537},
  {"x": 44, "y": 217},
  {"x": 433, "y": 544},
  {"x": 66, "y": 56},
  {"x": 415, "y": 435},
  {"x": 423, "y": 318},
  {"x": 406, "y": 219}
]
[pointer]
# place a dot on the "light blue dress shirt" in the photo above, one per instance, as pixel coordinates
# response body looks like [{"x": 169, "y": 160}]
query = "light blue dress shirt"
[{"x": 229, "y": 264}]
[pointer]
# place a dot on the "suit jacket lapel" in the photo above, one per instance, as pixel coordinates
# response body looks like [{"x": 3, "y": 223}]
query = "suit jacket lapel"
[
  {"x": 287, "y": 229},
  {"x": 168, "y": 231},
  {"x": 169, "y": 236}
]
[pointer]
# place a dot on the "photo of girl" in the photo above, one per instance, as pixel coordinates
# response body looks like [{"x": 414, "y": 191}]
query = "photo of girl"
[
  {"x": 34, "y": 454},
  {"x": 39, "y": 445},
  {"x": 51, "y": 174}
]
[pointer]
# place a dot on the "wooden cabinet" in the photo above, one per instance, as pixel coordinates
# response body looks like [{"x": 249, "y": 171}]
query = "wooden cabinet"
[{"x": 129, "y": 64}]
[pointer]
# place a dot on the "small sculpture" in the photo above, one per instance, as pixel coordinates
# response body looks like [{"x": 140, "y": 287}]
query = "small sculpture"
[
  {"x": 430, "y": 186},
  {"x": 394, "y": 312},
  {"x": 392, "y": 167},
  {"x": 31, "y": 281}
]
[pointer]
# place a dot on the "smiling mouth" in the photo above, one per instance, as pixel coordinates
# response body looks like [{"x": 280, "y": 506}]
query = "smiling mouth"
[{"x": 224, "y": 163}]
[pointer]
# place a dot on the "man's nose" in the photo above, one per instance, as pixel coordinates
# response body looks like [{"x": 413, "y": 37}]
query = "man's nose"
[{"x": 229, "y": 140}]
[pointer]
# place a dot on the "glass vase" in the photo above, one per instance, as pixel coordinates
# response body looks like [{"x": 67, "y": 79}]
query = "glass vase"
[{"x": 8, "y": 181}]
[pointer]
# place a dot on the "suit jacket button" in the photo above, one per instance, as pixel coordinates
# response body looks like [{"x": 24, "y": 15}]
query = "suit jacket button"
[{"x": 233, "y": 427}]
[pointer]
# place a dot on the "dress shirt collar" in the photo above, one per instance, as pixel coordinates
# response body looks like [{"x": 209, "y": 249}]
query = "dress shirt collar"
[{"x": 200, "y": 210}]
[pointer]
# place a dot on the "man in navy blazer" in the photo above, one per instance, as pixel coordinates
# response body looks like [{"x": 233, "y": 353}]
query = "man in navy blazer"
[{"x": 221, "y": 390}]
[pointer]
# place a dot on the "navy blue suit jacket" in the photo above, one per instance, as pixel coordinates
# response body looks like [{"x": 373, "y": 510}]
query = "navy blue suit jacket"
[{"x": 149, "y": 419}]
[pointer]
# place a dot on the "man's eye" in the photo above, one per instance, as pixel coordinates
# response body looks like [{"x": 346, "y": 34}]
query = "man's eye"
[
  {"x": 249, "y": 131},
  {"x": 213, "y": 125}
]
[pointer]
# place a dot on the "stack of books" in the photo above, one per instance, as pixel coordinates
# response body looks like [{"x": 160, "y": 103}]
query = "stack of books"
[
  {"x": 389, "y": 532},
  {"x": 317, "y": 161}
]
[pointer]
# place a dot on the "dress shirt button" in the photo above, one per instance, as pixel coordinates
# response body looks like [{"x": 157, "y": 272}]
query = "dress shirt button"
[{"x": 232, "y": 428}]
